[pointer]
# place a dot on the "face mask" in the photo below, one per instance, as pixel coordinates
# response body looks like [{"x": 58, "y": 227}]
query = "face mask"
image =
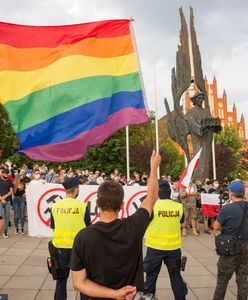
[
  {"x": 5, "y": 177},
  {"x": 207, "y": 182},
  {"x": 37, "y": 176}
]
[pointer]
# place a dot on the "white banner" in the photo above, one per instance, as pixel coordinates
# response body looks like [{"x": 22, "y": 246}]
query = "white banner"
[
  {"x": 41, "y": 197},
  {"x": 210, "y": 199}
]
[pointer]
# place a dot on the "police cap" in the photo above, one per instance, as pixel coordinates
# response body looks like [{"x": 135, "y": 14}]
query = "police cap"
[
  {"x": 164, "y": 189},
  {"x": 70, "y": 183}
]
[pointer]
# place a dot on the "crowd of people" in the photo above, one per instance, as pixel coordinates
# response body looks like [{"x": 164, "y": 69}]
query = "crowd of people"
[{"x": 15, "y": 178}]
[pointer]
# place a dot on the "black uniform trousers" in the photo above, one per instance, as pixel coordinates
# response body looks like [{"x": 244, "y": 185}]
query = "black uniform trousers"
[
  {"x": 64, "y": 256},
  {"x": 152, "y": 266},
  {"x": 227, "y": 265}
]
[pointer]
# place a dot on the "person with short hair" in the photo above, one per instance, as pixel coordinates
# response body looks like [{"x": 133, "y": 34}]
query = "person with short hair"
[
  {"x": 163, "y": 241},
  {"x": 188, "y": 198},
  {"x": 107, "y": 260},
  {"x": 6, "y": 191},
  {"x": 68, "y": 217},
  {"x": 229, "y": 222}
]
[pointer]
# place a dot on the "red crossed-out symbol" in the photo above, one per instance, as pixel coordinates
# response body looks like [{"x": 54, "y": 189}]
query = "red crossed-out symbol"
[
  {"x": 45, "y": 197},
  {"x": 133, "y": 200},
  {"x": 96, "y": 213}
]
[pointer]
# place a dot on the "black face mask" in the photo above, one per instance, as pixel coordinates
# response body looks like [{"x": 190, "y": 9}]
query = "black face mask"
[
  {"x": 5, "y": 177},
  {"x": 208, "y": 182}
]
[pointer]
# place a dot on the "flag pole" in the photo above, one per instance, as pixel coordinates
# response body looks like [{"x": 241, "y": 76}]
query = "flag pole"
[
  {"x": 184, "y": 112},
  {"x": 156, "y": 109},
  {"x": 127, "y": 153},
  {"x": 139, "y": 66},
  {"x": 141, "y": 77},
  {"x": 214, "y": 158}
]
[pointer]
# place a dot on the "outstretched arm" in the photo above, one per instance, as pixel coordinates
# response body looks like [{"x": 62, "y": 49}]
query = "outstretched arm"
[
  {"x": 85, "y": 286},
  {"x": 152, "y": 191}
]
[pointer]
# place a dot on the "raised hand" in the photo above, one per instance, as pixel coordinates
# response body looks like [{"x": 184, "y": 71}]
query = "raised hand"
[{"x": 155, "y": 159}]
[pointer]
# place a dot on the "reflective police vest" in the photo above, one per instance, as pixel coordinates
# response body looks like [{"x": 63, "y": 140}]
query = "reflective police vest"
[
  {"x": 68, "y": 215},
  {"x": 164, "y": 231}
]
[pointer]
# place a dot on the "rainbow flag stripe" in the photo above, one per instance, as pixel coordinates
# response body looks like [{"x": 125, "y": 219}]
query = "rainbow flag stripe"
[{"x": 69, "y": 87}]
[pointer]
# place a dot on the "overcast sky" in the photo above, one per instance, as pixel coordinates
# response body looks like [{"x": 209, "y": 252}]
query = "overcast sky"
[{"x": 222, "y": 29}]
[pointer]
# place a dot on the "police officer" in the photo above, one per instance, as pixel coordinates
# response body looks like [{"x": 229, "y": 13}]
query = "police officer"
[
  {"x": 68, "y": 217},
  {"x": 229, "y": 221},
  {"x": 163, "y": 239}
]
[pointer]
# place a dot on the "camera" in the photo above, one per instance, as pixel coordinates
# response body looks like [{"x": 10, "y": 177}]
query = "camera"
[{"x": 224, "y": 197}]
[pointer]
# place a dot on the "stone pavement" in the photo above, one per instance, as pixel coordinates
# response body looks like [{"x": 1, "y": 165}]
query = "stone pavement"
[{"x": 24, "y": 275}]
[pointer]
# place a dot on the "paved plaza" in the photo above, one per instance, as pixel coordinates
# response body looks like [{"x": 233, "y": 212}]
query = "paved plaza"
[{"x": 24, "y": 275}]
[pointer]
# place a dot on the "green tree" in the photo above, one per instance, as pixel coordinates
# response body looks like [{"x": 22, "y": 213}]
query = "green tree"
[
  {"x": 8, "y": 140},
  {"x": 228, "y": 154},
  {"x": 108, "y": 156},
  {"x": 176, "y": 164},
  {"x": 244, "y": 157},
  {"x": 229, "y": 137}
]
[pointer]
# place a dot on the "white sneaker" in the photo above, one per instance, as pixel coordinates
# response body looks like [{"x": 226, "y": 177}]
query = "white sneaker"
[{"x": 5, "y": 235}]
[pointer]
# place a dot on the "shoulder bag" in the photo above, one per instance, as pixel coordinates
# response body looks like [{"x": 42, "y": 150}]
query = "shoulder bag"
[{"x": 227, "y": 244}]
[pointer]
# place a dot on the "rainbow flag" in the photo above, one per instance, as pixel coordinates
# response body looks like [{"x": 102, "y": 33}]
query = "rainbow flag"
[{"x": 69, "y": 87}]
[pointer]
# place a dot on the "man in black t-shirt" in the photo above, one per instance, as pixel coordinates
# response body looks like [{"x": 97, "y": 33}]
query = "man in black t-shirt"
[
  {"x": 107, "y": 260},
  {"x": 229, "y": 221},
  {"x": 6, "y": 187}
]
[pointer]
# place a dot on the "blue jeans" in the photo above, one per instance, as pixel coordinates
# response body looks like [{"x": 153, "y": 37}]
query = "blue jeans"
[
  {"x": 19, "y": 210},
  {"x": 4, "y": 212},
  {"x": 152, "y": 265}
]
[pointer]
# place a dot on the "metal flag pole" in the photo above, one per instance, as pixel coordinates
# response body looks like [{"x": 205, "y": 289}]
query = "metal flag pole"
[
  {"x": 156, "y": 110},
  {"x": 214, "y": 158},
  {"x": 127, "y": 153},
  {"x": 184, "y": 111},
  {"x": 141, "y": 77},
  {"x": 213, "y": 140},
  {"x": 139, "y": 67}
]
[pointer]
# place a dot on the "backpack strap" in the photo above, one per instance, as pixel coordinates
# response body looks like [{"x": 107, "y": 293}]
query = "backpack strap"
[{"x": 242, "y": 225}]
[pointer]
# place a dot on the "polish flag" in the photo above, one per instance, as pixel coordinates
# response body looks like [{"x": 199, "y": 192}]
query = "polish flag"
[
  {"x": 188, "y": 171},
  {"x": 210, "y": 205}
]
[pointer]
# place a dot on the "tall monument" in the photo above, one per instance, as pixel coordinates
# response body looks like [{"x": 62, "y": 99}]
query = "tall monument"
[{"x": 197, "y": 122}]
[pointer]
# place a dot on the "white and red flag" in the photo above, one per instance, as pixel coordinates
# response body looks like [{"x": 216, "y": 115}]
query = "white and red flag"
[
  {"x": 210, "y": 205},
  {"x": 188, "y": 171}
]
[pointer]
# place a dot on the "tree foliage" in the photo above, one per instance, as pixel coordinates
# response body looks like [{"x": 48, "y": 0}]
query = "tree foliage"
[
  {"x": 229, "y": 154},
  {"x": 229, "y": 138},
  {"x": 8, "y": 140},
  {"x": 175, "y": 165},
  {"x": 244, "y": 158},
  {"x": 225, "y": 161}
]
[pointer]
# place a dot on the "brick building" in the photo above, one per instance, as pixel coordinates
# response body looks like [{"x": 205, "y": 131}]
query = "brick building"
[{"x": 219, "y": 107}]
